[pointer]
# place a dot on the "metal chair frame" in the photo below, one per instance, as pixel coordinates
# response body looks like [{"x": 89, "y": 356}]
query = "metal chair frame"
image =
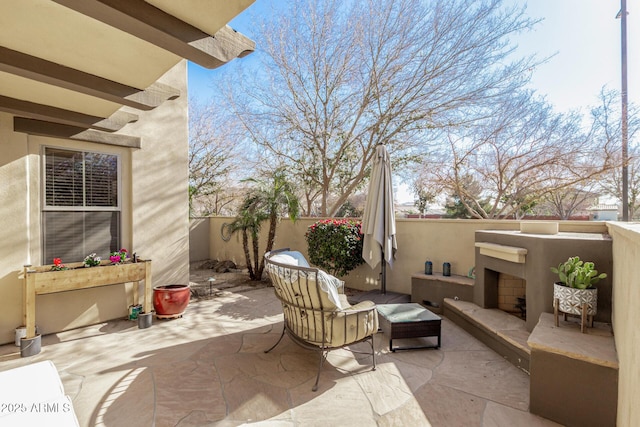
[{"x": 307, "y": 325}]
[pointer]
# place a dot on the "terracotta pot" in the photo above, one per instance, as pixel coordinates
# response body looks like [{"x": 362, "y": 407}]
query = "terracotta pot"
[{"x": 171, "y": 300}]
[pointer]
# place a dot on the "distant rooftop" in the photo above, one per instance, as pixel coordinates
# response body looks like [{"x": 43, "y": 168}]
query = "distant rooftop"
[{"x": 604, "y": 207}]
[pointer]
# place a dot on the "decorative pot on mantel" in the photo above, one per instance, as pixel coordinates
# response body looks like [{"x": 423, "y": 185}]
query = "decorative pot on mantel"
[
  {"x": 170, "y": 301},
  {"x": 581, "y": 302}
]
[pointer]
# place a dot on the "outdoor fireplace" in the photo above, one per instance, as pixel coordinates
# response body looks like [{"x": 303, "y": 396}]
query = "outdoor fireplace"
[
  {"x": 511, "y": 294},
  {"x": 530, "y": 257}
]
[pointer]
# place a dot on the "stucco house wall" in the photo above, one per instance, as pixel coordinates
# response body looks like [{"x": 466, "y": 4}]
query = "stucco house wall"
[{"x": 154, "y": 213}]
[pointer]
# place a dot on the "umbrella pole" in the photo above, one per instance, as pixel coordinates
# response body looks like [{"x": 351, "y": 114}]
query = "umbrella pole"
[
  {"x": 383, "y": 274},
  {"x": 383, "y": 271}
]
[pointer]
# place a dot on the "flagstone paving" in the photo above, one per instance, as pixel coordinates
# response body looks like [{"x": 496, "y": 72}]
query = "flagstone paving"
[{"x": 209, "y": 368}]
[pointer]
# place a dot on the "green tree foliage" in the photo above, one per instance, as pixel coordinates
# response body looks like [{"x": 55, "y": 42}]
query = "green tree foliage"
[
  {"x": 348, "y": 210},
  {"x": 424, "y": 197},
  {"x": 456, "y": 208}
]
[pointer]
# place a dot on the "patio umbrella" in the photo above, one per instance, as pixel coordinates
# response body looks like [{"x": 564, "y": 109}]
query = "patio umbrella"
[{"x": 378, "y": 220}]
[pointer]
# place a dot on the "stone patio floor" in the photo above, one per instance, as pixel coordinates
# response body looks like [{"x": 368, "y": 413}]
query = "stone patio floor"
[{"x": 208, "y": 368}]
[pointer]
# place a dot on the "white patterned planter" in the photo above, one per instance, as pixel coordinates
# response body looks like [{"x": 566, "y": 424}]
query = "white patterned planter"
[{"x": 570, "y": 300}]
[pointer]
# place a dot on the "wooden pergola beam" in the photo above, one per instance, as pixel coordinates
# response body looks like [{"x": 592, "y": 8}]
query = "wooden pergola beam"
[
  {"x": 57, "y": 130},
  {"x": 33, "y": 110},
  {"x": 149, "y": 23},
  {"x": 44, "y": 71}
]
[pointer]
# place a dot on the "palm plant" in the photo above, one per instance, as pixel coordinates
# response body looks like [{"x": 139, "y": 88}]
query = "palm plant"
[
  {"x": 248, "y": 222},
  {"x": 267, "y": 200}
]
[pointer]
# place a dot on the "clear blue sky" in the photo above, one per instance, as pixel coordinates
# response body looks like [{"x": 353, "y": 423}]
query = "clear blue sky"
[
  {"x": 583, "y": 34},
  {"x": 586, "y": 37}
]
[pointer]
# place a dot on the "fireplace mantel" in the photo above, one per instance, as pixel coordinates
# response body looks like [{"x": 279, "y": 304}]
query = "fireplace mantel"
[{"x": 507, "y": 253}]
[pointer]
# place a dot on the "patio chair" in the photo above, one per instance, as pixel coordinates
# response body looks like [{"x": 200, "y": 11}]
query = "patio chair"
[{"x": 317, "y": 315}]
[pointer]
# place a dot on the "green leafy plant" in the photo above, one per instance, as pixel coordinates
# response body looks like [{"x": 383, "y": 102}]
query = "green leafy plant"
[
  {"x": 335, "y": 245},
  {"x": 576, "y": 273},
  {"x": 268, "y": 200}
]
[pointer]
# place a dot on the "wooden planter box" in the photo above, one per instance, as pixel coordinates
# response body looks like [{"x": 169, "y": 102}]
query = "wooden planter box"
[{"x": 42, "y": 280}]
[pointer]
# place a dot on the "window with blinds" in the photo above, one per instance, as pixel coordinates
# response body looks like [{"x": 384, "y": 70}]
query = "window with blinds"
[{"x": 81, "y": 212}]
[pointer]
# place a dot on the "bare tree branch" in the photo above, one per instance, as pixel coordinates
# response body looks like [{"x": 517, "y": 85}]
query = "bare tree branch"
[
  {"x": 517, "y": 156},
  {"x": 338, "y": 78},
  {"x": 213, "y": 156}
]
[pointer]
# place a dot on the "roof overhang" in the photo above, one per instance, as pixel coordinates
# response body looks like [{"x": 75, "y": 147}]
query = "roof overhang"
[{"x": 76, "y": 62}]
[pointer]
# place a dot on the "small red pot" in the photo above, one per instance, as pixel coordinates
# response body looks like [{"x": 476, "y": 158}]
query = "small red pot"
[{"x": 170, "y": 301}]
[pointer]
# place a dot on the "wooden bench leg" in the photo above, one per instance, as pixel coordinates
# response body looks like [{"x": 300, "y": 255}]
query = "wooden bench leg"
[{"x": 555, "y": 310}]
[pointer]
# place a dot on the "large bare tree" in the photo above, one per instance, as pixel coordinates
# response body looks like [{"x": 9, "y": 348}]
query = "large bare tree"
[
  {"x": 565, "y": 202},
  {"x": 520, "y": 154},
  {"x": 607, "y": 117},
  {"x": 337, "y": 78},
  {"x": 213, "y": 157}
]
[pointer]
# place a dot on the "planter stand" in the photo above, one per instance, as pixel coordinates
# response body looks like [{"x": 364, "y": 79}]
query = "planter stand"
[
  {"x": 580, "y": 302},
  {"x": 42, "y": 280}
]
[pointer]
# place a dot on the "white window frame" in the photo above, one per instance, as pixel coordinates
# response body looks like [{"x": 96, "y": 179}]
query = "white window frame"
[{"x": 47, "y": 208}]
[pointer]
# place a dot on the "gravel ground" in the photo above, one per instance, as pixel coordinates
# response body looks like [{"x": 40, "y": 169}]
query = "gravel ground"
[{"x": 229, "y": 278}]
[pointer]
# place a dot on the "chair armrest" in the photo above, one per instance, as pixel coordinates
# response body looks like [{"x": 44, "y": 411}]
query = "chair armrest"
[{"x": 359, "y": 308}]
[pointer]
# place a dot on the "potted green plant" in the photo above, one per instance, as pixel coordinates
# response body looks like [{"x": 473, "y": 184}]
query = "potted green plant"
[{"x": 575, "y": 292}]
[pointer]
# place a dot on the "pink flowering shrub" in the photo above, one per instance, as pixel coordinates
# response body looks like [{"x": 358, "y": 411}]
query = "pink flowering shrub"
[{"x": 335, "y": 245}]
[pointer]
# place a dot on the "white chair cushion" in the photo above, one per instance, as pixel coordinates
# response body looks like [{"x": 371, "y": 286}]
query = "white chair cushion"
[
  {"x": 331, "y": 286},
  {"x": 284, "y": 258},
  {"x": 300, "y": 260},
  {"x": 36, "y": 382}
]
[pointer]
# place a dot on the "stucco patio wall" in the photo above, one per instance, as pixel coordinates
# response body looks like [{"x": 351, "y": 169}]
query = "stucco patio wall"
[
  {"x": 154, "y": 214},
  {"x": 626, "y": 318},
  {"x": 199, "y": 239},
  {"x": 439, "y": 240}
]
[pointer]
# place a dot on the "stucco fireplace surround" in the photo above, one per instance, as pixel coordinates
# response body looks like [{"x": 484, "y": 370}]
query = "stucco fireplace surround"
[{"x": 530, "y": 257}]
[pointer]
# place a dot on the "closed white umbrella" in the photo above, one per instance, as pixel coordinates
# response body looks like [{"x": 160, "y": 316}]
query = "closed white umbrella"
[{"x": 378, "y": 220}]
